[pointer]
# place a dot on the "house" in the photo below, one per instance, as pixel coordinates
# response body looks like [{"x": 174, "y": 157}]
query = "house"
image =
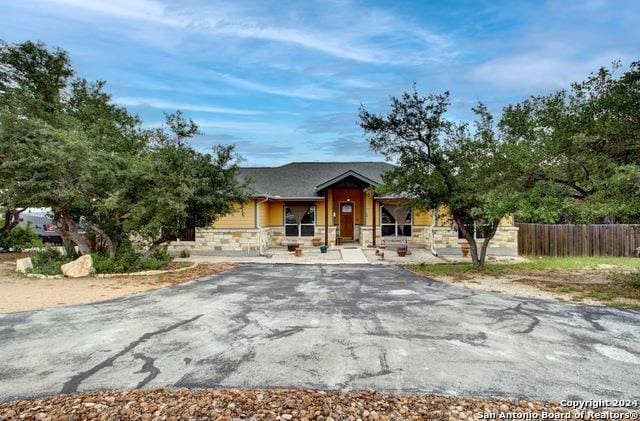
[{"x": 333, "y": 202}]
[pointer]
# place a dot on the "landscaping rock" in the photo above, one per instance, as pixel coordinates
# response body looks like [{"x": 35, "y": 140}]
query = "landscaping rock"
[
  {"x": 269, "y": 404},
  {"x": 23, "y": 265},
  {"x": 79, "y": 268}
]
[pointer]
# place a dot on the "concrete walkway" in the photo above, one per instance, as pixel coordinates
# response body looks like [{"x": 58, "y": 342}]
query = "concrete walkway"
[
  {"x": 324, "y": 327},
  {"x": 353, "y": 255}
]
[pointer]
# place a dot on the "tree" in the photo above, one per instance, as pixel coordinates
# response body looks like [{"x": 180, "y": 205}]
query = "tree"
[
  {"x": 575, "y": 155},
  {"x": 31, "y": 83},
  {"x": 441, "y": 163},
  {"x": 181, "y": 188},
  {"x": 66, "y": 146}
]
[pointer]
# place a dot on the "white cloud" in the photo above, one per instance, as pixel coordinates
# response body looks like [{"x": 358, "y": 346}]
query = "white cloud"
[
  {"x": 305, "y": 92},
  {"x": 260, "y": 127},
  {"x": 539, "y": 70},
  {"x": 145, "y": 10},
  {"x": 353, "y": 34},
  {"x": 171, "y": 105}
]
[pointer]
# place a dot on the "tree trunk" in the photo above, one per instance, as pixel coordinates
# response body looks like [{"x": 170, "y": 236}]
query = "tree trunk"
[
  {"x": 69, "y": 230},
  {"x": 485, "y": 244},
  {"x": 111, "y": 247},
  {"x": 11, "y": 219},
  {"x": 154, "y": 246},
  {"x": 473, "y": 247}
]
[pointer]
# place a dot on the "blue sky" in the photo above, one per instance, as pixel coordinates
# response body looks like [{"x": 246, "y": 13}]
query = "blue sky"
[{"x": 283, "y": 80}]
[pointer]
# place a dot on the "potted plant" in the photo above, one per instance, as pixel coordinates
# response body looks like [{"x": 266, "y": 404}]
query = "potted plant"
[
  {"x": 316, "y": 242},
  {"x": 324, "y": 248},
  {"x": 402, "y": 251},
  {"x": 464, "y": 246}
]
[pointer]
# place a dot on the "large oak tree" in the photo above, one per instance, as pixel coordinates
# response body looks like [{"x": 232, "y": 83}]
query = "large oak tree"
[{"x": 442, "y": 163}]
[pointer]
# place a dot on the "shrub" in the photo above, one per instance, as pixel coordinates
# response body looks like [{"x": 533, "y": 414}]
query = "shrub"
[
  {"x": 184, "y": 253},
  {"x": 20, "y": 238},
  {"x": 48, "y": 261},
  {"x": 128, "y": 260}
]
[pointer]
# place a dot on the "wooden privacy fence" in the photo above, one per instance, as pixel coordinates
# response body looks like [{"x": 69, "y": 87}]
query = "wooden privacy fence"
[{"x": 578, "y": 240}]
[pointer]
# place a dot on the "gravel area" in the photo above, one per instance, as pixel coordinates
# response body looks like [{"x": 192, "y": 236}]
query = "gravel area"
[{"x": 270, "y": 404}]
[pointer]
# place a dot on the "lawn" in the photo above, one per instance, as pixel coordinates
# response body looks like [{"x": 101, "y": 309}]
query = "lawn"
[{"x": 613, "y": 281}]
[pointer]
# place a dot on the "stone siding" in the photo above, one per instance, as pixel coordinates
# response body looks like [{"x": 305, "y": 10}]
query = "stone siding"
[
  {"x": 276, "y": 236},
  {"x": 504, "y": 243},
  {"x": 419, "y": 235},
  {"x": 214, "y": 241},
  {"x": 250, "y": 241}
]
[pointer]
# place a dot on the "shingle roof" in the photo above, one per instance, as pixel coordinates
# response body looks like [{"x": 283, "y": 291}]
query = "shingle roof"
[{"x": 300, "y": 179}]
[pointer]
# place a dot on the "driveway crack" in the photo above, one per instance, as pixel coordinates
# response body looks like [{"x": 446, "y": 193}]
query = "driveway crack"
[
  {"x": 147, "y": 367},
  {"x": 74, "y": 382}
]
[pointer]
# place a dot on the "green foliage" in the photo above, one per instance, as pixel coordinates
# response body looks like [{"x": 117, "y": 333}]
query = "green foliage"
[
  {"x": 442, "y": 162},
  {"x": 535, "y": 264},
  {"x": 127, "y": 261},
  {"x": 65, "y": 145},
  {"x": 48, "y": 261},
  {"x": 19, "y": 238},
  {"x": 184, "y": 253},
  {"x": 574, "y": 154},
  {"x": 634, "y": 281}
]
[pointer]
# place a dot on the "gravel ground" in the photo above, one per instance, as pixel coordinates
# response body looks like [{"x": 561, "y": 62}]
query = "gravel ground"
[{"x": 271, "y": 404}]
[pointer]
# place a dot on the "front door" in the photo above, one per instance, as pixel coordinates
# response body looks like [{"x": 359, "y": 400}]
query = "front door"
[{"x": 346, "y": 221}]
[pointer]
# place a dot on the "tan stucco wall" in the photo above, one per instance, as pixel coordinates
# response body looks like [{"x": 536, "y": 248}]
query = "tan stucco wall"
[{"x": 242, "y": 217}]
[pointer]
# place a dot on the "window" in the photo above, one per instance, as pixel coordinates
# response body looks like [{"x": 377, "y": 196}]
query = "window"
[
  {"x": 306, "y": 227},
  {"x": 389, "y": 227}
]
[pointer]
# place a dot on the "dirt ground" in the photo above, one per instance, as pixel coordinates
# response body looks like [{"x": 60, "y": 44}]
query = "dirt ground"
[
  {"x": 588, "y": 286},
  {"x": 19, "y": 293}
]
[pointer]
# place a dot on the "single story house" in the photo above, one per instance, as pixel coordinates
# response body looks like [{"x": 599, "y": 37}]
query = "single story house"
[{"x": 333, "y": 202}]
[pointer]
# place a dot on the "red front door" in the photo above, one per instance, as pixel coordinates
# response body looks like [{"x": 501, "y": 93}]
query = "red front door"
[{"x": 346, "y": 221}]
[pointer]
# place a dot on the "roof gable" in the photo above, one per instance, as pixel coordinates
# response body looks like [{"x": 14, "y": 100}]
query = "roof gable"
[{"x": 350, "y": 173}]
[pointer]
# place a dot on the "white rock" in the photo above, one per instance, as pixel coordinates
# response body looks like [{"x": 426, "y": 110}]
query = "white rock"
[
  {"x": 23, "y": 265},
  {"x": 79, "y": 268}
]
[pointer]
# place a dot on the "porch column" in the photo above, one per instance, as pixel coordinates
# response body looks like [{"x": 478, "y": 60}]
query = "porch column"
[
  {"x": 326, "y": 217},
  {"x": 373, "y": 202}
]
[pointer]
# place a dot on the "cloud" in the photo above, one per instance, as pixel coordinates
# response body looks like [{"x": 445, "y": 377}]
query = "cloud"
[
  {"x": 331, "y": 123},
  {"x": 353, "y": 34},
  {"x": 143, "y": 10},
  {"x": 171, "y": 105},
  {"x": 305, "y": 92},
  {"x": 539, "y": 70},
  {"x": 349, "y": 146},
  {"x": 246, "y": 148}
]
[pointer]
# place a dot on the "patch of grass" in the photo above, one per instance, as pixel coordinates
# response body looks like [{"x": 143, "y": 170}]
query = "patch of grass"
[
  {"x": 619, "y": 287},
  {"x": 634, "y": 281},
  {"x": 535, "y": 264}
]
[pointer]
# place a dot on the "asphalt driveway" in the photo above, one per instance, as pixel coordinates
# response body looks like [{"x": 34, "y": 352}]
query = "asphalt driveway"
[{"x": 328, "y": 327}]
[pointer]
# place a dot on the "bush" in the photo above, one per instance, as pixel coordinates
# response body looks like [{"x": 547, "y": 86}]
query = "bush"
[
  {"x": 48, "y": 261},
  {"x": 128, "y": 260},
  {"x": 20, "y": 238},
  {"x": 184, "y": 253}
]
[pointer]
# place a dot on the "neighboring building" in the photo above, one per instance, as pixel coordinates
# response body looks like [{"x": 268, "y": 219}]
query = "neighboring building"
[
  {"x": 41, "y": 222},
  {"x": 331, "y": 201}
]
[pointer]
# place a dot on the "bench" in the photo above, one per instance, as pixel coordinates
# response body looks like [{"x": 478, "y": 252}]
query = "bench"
[
  {"x": 398, "y": 242},
  {"x": 291, "y": 245}
]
